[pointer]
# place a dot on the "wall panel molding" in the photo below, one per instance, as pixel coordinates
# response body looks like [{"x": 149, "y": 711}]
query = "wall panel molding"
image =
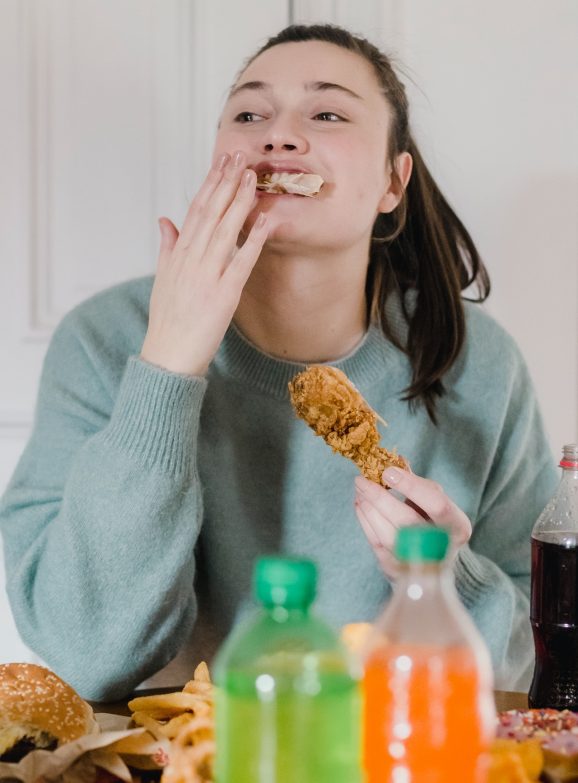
[
  {"x": 91, "y": 185},
  {"x": 15, "y": 424},
  {"x": 211, "y": 64}
]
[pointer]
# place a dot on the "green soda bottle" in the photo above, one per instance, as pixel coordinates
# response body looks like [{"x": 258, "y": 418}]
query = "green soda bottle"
[{"x": 287, "y": 702}]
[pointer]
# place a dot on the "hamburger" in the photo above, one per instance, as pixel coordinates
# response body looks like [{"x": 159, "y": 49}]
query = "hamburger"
[{"x": 38, "y": 710}]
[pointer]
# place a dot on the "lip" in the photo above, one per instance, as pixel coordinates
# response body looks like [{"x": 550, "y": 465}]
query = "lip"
[
  {"x": 263, "y": 194},
  {"x": 279, "y": 165}
]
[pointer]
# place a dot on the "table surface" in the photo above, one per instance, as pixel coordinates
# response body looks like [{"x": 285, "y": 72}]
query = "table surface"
[{"x": 505, "y": 700}]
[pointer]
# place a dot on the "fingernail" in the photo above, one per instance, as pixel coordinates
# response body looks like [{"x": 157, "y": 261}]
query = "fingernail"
[
  {"x": 237, "y": 159},
  {"x": 261, "y": 220},
  {"x": 392, "y": 475},
  {"x": 222, "y": 162},
  {"x": 359, "y": 484},
  {"x": 247, "y": 178}
]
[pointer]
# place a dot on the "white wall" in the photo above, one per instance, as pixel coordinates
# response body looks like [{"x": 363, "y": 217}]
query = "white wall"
[
  {"x": 499, "y": 120},
  {"x": 109, "y": 109}
]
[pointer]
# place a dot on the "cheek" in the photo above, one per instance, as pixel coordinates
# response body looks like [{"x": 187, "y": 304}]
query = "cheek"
[
  {"x": 363, "y": 168},
  {"x": 229, "y": 141}
]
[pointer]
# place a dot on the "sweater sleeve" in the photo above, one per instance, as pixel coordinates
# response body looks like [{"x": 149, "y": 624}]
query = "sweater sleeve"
[
  {"x": 101, "y": 518},
  {"x": 493, "y": 571}
]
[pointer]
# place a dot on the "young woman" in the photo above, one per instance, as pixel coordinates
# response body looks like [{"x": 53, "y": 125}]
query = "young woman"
[{"x": 165, "y": 454}]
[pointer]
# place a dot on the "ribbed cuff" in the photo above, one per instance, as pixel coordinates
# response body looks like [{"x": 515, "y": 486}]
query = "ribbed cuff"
[
  {"x": 472, "y": 576},
  {"x": 156, "y": 416}
]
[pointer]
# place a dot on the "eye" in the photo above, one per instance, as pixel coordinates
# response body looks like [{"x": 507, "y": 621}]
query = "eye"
[
  {"x": 248, "y": 116},
  {"x": 329, "y": 116}
]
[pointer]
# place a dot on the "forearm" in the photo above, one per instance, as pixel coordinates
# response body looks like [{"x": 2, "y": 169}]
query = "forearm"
[
  {"x": 101, "y": 569},
  {"x": 499, "y": 606}
]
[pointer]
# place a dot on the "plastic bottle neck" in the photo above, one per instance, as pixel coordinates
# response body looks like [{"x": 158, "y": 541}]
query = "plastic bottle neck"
[
  {"x": 415, "y": 579},
  {"x": 558, "y": 522},
  {"x": 283, "y": 614},
  {"x": 568, "y": 485},
  {"x": 569, "y": 471},
  {"x": 425, "y": 610}
]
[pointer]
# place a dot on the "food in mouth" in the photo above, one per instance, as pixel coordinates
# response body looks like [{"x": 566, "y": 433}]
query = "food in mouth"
[
  {"x": 324, "y": 397},
  {"x": 294, "y": 183}
]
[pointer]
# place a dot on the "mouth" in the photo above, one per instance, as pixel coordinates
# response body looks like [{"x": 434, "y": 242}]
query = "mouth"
[{"x": 277, "y": 166}]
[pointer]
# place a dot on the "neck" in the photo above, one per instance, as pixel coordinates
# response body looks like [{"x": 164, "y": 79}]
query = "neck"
[{"x": 305, "y": 309}]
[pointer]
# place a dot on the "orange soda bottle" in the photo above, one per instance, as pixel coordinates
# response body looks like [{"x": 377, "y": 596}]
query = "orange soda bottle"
[{"x": 429, "y": 713}]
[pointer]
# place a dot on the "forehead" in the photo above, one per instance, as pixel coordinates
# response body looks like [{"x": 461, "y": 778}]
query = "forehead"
[{"x": 295, "y": 64}]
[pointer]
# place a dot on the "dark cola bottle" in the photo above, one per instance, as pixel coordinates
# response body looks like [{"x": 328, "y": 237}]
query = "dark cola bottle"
[{"x": 554, "y": 598}]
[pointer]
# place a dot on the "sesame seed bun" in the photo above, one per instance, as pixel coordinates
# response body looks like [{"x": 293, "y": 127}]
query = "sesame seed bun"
[{"x": 38, "y": 709}]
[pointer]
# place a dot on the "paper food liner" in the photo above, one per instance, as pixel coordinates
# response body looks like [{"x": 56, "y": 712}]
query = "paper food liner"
[{"x": 112, "y": 747}]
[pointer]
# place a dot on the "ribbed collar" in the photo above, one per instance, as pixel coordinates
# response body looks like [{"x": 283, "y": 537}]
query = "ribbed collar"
[{"x": 367, "y": 363}]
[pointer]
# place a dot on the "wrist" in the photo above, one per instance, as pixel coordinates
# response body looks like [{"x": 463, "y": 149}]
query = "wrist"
[{"x": 171, "y": 362}]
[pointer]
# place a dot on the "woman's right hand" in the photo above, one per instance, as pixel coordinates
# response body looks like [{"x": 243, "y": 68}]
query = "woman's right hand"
[{"x": 201, "y": 271}]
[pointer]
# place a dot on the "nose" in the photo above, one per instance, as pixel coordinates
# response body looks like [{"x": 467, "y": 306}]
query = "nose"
[
  {"x": 284, "y": 135},
  {"x": 287, "y": 146}
]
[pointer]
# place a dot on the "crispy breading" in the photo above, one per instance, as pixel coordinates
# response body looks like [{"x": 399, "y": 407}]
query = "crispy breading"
[{"x": 329, "y": 403}]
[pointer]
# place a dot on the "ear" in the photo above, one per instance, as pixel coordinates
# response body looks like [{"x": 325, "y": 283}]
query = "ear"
[{"x": 396, "y": 184}]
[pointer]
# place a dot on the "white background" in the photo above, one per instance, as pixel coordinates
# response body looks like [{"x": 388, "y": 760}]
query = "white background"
[{"x": 108, "y": 113}]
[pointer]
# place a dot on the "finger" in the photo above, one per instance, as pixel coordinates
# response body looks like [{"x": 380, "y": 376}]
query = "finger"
[
  {"x": 226, "y": 235},
  {"x": 430, "y": 496},
  {"x": 169, "y": 235},
  {"x": 241, "y": 266},
  {"x": 423, "y": 514},
  {"x": 209, "y": 215},
  {"x": 385, "y": 556},
  {"x": 372, "y": 536},
  {"x": 202, "y": 197},
  {"x": 386, "y": 504},
  {"x": 425, "y": 493}
]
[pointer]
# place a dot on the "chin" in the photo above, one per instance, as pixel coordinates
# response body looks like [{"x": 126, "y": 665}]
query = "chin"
[
  {"x": 280, "y": 228},
  {"x": 291, "y": 234}
]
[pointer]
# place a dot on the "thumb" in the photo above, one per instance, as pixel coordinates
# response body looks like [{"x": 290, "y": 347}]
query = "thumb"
[{"x": 169, "y": 233}]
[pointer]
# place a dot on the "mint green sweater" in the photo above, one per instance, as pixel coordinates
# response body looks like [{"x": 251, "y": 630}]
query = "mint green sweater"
[{"x": 143, "y": 497}]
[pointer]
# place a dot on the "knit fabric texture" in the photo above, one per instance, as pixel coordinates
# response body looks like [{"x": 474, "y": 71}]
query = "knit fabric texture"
[{"x": 137, "y": 510}]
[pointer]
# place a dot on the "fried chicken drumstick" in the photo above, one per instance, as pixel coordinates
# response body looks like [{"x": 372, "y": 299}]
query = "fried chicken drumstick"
[{"x": 327, "y": 401}]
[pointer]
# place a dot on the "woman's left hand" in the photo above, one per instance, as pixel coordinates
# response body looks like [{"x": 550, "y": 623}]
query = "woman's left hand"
[{"x": 380, "y": 513}]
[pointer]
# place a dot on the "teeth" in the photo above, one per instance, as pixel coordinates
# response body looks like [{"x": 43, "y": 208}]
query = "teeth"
[{"x": 296, "y": 183}]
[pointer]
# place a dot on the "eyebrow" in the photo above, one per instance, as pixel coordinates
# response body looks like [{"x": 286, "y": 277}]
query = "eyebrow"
[{"x": 309, "y": 86}]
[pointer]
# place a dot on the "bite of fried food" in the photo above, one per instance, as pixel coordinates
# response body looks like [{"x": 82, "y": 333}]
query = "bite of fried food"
[
  {"x": 324, "y": 397},
  {"x": 186, "y": 719},
  {"x": 295, "y": 183}
]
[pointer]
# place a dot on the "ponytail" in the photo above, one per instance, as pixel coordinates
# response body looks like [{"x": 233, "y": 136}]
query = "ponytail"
[
  {"x": 424, "y": 246},
  {"x": 421, "y": 246}
]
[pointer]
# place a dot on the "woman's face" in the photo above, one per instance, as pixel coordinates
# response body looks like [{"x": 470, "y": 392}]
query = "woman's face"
[{"x": 313, "y": 107}]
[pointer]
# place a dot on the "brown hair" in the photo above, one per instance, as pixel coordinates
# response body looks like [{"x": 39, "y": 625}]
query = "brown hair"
[{"x": 421, "y": 245}]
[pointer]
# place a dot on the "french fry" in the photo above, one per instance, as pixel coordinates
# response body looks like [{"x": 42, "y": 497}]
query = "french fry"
[
  {"x": 201, "y": 673},
  {"x": 174, "y": 726},
  {"x": 185, "y": 720},
  {"x": 166, "y": 703},
  {"x": 152, "y": 725}
]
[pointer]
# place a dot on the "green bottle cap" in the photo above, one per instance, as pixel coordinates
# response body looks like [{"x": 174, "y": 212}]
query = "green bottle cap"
[
  {"x": 287, "y": 582},
  {"x": 421, "y": 544}
]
